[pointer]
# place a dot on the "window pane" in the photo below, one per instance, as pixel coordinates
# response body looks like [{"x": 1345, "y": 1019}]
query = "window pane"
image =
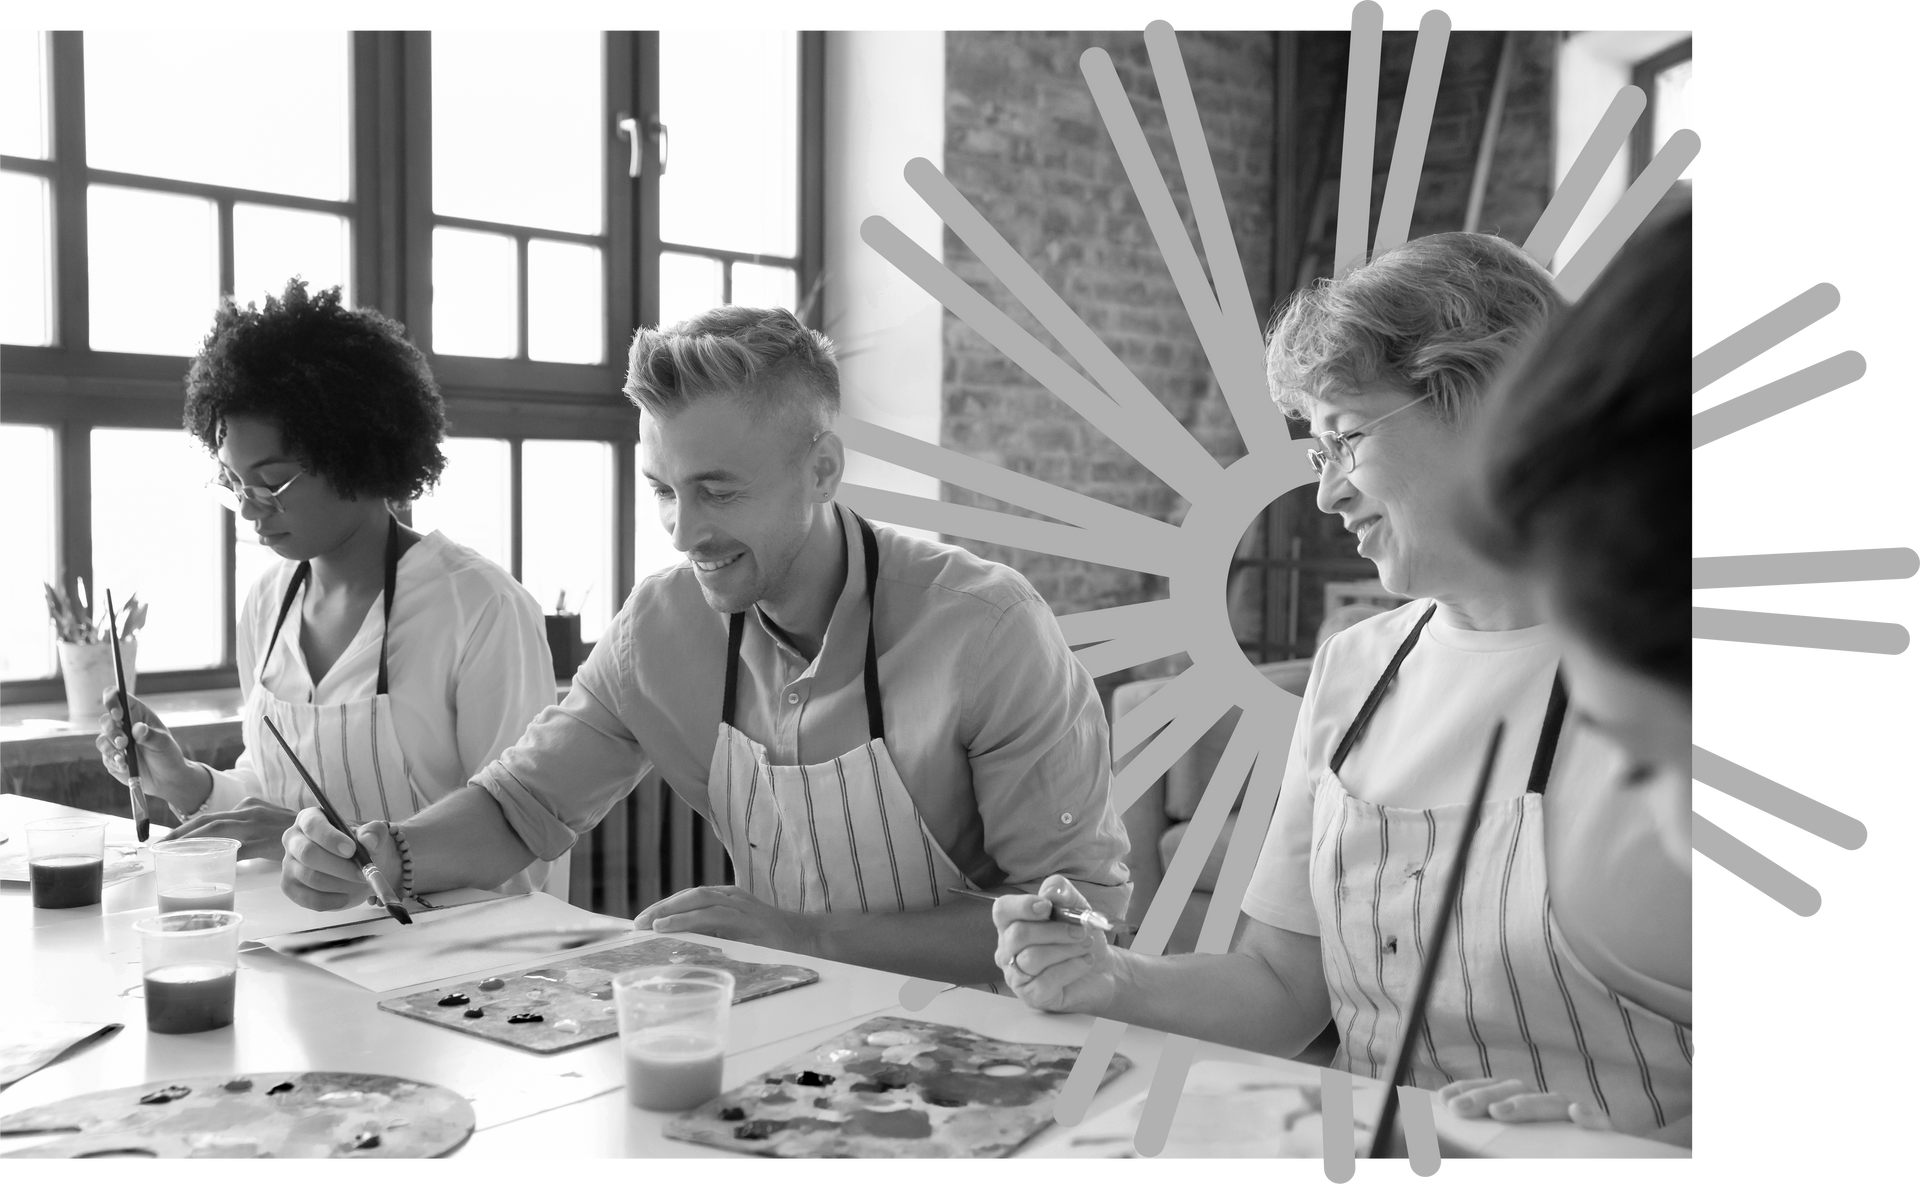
[
  {"x": 755, "y": 286},
  {"x": 731, "y": 105},
  {"x": 517, "y": 133},
  {"x": 689, "y": 286},
  {"x": 566, "y": 527},
  {"x": 475, "y": 294},
  {"x": 255, "y": 110},
  {"x": 23, "y": 94},
  {"x": 653, "y": 549},
  {"x": 27, "y": 296},
  {"x": 27, "y": 538},
  {"x": 564, "y": 318},
  {"x": 143, "y": 479},
  {"x": 152, "y": 270},
  {"x": 1670, "y": 108},
  {"x": 272, "y": 244},
  {"x": 473, "y": 504}
]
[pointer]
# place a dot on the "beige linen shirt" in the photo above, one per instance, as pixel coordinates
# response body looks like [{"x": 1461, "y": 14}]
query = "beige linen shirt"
[{"x": 995, "y": 727}]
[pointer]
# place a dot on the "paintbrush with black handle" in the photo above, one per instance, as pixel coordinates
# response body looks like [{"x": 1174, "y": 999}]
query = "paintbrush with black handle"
[
  {"x": 1417, "y": 1013},
  {"x": 376, "y": 880},
  {"x": 141, "y": 823}
]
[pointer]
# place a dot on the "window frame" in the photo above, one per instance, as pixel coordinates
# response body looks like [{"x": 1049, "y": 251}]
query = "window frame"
[
  {"x": 1641, "y": 146},
  {"x": 71, "y": 388}
]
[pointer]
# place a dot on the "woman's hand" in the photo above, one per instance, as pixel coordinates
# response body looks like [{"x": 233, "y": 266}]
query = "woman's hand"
[
  {"x": 319, "y": 872},
  {"x": 724, "y": 910},
  {"x": 259, "y": 825},
  {"x": 1053, "y": 965},
  {"x": 1515, "y": 1101},
  {"x": 165, "y": 771}
]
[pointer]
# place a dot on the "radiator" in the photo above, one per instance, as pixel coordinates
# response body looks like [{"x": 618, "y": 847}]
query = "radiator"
[{"x": 648, "y": 847}]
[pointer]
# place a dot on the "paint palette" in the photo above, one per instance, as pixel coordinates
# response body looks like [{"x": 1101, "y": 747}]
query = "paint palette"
[
  {"x": 893, "y": 1088},
  {"x": 573, "y": 999},
  {"x": 252, "y": 1116}
]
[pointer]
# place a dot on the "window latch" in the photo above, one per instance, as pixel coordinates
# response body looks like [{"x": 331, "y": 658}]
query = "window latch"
[{"x": 630, "y": 128}]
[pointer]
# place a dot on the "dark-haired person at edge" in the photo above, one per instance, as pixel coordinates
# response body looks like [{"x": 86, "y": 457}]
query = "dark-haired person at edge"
[
  {"x": 1580, "y": 489},
  {"x": 867, "y": 719},
  {"x": 397, "y": 664},
  {"x": 1392, "y": 364}
]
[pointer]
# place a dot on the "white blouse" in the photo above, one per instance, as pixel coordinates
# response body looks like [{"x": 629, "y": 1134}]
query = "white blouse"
[{"x": 467, "y": 664}]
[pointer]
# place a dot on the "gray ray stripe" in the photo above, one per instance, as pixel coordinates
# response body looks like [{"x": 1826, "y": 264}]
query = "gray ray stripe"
[
  {"x": 1816, "y": 818},
  {"x": 1640, "y": 1060},
  {"x": 1804, "y": 567},
  {"x": 1566, "y": 997},
  {"x": 1419, "y": 941},
  {"x": 853, "y": 844},
  {"x": 1817, "y": 633},
  {"x": 1717, "y": 361},
  {"x": 886, "y": 830},
  {"x": 813, "y": 833},
  {"x": 1506, "y": 954},
  {"x": 1379, "y": 950},
  {"x": 1763, "y": 403}
]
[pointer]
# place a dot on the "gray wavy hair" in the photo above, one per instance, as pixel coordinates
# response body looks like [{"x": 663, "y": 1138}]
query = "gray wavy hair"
[
  {"x": 735, "y": 351},
  {"x": 1437, "y": 316}
]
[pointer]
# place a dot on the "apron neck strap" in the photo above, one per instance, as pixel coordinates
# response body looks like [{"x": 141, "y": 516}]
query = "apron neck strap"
[
  {"x": 1549, "y": 736},
  {"x": 1379, "y": 692},
  {"x": 389, "y": 575},
  {"x": 737, "y": 625}
]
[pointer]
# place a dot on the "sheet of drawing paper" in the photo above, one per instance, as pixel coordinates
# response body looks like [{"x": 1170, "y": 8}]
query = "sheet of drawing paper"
[
  {"x": 382, "y": 955},
  {"x": 271, "y": 914},
  {"x": 26, "y": 1046}
]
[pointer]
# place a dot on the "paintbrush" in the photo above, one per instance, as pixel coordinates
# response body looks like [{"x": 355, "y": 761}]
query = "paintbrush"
[
  {"x": 1417, "y": 1014},
  {"x": 141, "y": 823},
  {"x": 376, "y": 880},
  {"x": 1060, "y": 912}
]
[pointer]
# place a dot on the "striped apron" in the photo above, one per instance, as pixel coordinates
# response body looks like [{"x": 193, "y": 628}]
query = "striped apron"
[
  {"x": 1510, "y": 999},
  {"x": 840, "y": 836}
]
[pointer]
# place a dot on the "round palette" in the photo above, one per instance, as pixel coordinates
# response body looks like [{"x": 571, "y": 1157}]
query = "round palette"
[{"x": 252, "y": 1116}]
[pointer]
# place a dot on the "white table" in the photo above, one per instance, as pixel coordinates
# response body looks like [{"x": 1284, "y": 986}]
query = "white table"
[{"x": 84, "y": 964}]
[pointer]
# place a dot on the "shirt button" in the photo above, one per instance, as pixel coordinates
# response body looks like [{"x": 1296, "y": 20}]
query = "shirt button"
[
  {"x": 1066, "y": 819},
  {"x": 793, "y": 697}
]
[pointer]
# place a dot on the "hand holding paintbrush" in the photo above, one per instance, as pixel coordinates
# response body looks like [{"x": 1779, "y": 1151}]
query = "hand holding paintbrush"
[
  {"x": 375, "y": 878},
  {"x": 141, "y": 823}
]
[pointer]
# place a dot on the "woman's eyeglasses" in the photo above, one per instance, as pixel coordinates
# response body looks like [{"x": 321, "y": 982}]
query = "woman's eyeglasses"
[
  {"x": 1336, "y": 448},
  {"x": 234, "y": 497}
]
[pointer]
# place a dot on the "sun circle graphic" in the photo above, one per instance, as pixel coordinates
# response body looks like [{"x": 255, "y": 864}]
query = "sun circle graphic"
[{"x": 1196, "y": 556}]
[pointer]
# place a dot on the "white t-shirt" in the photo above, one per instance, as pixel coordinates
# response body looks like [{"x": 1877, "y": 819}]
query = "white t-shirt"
[
  {"x": 467, "y": 664},
  {"x": 1425, "y": 743}
]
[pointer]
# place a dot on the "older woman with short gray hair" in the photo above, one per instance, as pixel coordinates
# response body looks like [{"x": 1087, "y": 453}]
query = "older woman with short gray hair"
[{"x": 1390, "y": 364}]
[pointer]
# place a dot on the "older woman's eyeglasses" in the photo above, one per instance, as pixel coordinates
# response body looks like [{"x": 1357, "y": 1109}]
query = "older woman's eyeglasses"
[
  {"x": 234, "y": 496},
  {"x": 1336, "y": 448}
]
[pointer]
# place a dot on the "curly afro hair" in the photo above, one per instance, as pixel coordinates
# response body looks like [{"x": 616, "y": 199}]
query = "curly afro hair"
[{"x": 354, "y": 400}]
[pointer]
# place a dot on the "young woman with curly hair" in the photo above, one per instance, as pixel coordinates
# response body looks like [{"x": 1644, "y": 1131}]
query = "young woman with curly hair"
[{"x": 397, "y": 664}]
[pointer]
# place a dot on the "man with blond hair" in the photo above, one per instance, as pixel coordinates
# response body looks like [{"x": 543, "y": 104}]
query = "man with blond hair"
[{"x": 868, "y": 720}]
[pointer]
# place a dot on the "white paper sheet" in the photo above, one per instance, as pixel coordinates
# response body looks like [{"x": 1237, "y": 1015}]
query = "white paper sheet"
[
  {"x": 28, "y": 1047},
  {"x": 383, "y": 956},
  {"x": 270, "y": 914}
]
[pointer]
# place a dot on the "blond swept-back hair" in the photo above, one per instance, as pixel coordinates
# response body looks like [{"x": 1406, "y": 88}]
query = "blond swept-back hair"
[
  {"x": 731, "y": 350},
  {"x": 1438, "y": 316}
]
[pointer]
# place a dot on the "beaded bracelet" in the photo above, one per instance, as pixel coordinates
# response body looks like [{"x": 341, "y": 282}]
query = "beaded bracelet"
[{"x": 406, "y": 860}]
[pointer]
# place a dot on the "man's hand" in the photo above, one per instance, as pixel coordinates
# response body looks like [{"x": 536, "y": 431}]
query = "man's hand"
[
  {"x": 1515, "y": 1101},
  {"x": 319, "y": 872},
  {"x": 1053, "y": 965},
  {"x": 258, "y": 825},
  {"x": 724, "y": 910}
]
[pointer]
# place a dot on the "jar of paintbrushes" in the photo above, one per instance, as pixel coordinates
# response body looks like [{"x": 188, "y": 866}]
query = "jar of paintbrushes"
[{"x": 86, "y": 652}]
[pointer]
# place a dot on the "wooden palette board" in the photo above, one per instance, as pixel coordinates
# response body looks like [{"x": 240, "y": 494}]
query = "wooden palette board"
[
  {"x": 574, "y": 997},
  {"x": 253, "y": 1116},
  {"x": 893, "y": 1088}
]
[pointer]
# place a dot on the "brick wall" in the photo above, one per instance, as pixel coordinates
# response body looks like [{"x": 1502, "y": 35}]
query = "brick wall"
[{"x": 1025, "y": 144}]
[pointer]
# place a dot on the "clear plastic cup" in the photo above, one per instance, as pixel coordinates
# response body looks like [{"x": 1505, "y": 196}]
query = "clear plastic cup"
[
  {"x": 188, "y": 961},
  {"x": 65, "y": 857},
  {"x": 194, "y": 874},
  {"x": 673, "y": 1033}
]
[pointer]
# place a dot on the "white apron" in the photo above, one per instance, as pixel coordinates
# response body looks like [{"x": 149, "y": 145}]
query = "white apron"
[
  {"x": 351, "y": 748},
  {"x": 841, "y": 836},
  {"x": 1510, "y": 999}
]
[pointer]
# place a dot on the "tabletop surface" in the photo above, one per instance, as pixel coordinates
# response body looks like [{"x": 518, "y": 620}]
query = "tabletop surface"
[{"x": 291, "y": 1016}]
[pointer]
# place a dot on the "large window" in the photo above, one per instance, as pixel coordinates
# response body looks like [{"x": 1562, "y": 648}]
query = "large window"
[
  {"x": 505, "y": 196},
  {"x": 1664, "y": 78}
]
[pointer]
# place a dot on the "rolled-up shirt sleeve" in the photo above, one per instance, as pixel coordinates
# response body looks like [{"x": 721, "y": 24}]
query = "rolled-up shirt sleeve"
[
  {"x": 575, "y": 761},
  {"x": 1037, "y": 744}
]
